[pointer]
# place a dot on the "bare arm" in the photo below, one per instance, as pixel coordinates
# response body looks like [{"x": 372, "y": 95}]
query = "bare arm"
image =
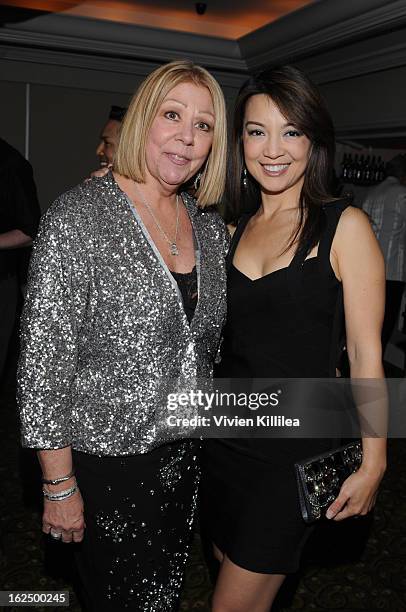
[
  {"x": 66, "y": 516},
  {"x": 359, "y": 263},
  {"x": 14, "y": 239}
]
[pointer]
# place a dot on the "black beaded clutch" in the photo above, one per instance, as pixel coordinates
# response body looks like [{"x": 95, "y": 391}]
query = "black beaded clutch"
[{"x": 319, "y": 478}]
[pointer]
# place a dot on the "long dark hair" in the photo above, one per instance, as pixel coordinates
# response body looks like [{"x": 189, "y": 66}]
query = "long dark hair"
[{"x": 299, "y": 100}]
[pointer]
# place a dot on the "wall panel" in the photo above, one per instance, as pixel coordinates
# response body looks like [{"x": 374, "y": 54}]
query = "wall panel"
[
  {"x": 376, "y": 100},
  {"x": 65, "y": 127},
  {"x": 12, "y": 114}
]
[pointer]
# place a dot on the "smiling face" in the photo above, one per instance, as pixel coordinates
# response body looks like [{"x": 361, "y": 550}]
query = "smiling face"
[
  {"x": 108, "y": 142},
  {"x": 181, "y": 135},
  {"x": 276, "y": 152}
]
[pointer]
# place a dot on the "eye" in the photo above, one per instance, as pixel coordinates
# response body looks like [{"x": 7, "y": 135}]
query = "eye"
[
  {"x": 293, "y": 133},
  {"x": 205, "y": 127},
  {"x": 255, "y": 132},
  {"x": 172, "y": 115}
]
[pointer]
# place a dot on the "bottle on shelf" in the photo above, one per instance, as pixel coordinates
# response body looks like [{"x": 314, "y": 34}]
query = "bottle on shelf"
[
  {"x": 379, "y": 170},
  {"x": 373, "y": 170},
  {"x": 367, "y": 171},
  {"x": 362, "y": 169},
  {"x": 382, "y": 171},
  {"x": 354, "y": 168},
  {"x": 344, "y": 168}
]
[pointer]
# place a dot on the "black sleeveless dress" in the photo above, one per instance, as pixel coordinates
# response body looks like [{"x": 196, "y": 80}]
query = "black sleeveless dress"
[{"x": 281, "y": 325}]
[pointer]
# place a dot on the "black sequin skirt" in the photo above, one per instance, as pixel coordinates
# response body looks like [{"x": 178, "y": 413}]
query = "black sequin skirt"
[{"x": 139, "y": 513}]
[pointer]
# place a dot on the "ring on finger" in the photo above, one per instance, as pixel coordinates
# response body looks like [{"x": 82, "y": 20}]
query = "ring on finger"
[{"x": 55, "y": 535}]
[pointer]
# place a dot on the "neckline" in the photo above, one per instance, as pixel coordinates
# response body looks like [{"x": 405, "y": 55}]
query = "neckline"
[
  {"x": 160, "y": 260},
  {"x": 254, "y": 280},
  {"x": 292, "y": 264},
  {"x": 192, "y": 271}
]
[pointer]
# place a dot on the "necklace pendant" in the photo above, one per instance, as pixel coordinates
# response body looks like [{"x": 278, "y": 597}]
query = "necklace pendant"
[{"x": 174, "y": 249}]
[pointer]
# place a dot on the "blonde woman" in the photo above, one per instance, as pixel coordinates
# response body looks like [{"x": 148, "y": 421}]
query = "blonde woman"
[{"x": 127, "y": 291}]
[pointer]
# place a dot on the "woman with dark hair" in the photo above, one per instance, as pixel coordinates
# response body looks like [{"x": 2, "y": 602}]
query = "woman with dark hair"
[{"x": 295, "y": 249}]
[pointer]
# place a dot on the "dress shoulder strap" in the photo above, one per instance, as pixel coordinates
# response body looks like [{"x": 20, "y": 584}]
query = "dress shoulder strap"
[{"x": 333, "y": 212}]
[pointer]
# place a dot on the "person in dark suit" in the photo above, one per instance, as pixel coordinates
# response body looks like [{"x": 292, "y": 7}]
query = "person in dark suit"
[{"x": 19, "y": 218}]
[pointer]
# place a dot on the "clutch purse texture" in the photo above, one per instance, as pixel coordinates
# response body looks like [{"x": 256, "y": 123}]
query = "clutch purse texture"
[{"x": 319, "y": 478}]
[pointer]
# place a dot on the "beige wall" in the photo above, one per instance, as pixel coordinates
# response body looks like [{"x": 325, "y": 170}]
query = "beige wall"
[
  {"x": 64, "y": 127},
  {"x": 372, "y": 100},
  {"x": 12, "y": 113}
]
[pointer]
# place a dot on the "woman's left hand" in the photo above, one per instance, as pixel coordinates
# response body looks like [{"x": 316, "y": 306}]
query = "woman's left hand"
[{"x": 357, "y": 495}]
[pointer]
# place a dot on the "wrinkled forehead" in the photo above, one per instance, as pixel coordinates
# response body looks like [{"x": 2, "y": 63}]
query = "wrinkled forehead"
[{"x": 189, "y": 91}]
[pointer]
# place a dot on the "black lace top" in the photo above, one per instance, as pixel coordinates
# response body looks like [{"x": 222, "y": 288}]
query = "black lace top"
[{"x": 187, "y": 283}]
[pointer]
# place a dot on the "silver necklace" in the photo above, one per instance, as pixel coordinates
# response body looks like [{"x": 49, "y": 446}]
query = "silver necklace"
[{"x": 173, "y": 247}]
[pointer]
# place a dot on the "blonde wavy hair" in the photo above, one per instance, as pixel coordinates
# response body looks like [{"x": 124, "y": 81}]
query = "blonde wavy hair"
[{"x": 130, "y": 158}]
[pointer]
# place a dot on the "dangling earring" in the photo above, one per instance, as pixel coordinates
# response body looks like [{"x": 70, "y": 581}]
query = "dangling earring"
[
  {"x": 196, "y": 183},
  {"x": 245, "y": 178}
]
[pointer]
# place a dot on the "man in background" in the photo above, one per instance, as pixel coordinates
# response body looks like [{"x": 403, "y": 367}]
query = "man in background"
[
  {"x": 109, "y": 137},
  {"x": 19, "y": 218},
  {"x": 385, "y": 204}
]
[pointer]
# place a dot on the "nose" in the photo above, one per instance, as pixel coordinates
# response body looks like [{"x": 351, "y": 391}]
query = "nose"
[
  {"x": 273, "y": 147},
  {"x": 100, "y": 149},
  {"x": 186, "y": 133}
]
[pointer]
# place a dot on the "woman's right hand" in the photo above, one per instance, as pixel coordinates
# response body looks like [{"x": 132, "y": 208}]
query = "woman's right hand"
[{"x": 65, "y": 517}]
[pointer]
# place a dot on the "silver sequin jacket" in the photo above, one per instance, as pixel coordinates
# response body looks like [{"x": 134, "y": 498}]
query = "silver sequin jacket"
[{"x": 103, "y": 324}]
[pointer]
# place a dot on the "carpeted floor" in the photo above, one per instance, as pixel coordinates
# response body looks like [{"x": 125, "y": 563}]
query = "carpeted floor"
[{"x": 354, "y": 566}]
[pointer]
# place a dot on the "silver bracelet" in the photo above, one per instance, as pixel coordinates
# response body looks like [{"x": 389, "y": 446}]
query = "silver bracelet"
[
  {"x": 60, "y": 495},
  {"x": 55, "y": 481}
]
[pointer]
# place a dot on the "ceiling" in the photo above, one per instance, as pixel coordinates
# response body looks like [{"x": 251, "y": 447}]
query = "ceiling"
[{"x": 230, "y": 19}]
